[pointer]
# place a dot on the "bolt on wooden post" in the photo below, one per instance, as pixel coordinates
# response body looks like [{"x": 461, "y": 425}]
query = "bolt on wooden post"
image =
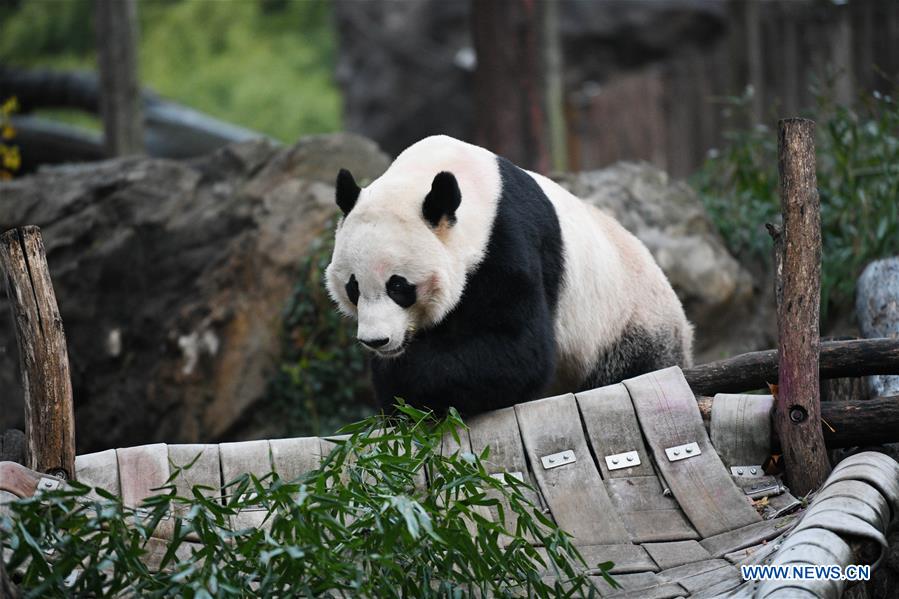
[
  {"x": 43, "y": 357},
  {"x": 797, "y": 259}
]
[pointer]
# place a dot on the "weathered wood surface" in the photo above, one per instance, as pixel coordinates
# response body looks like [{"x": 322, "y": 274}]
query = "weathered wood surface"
[
  {"x": 12, "y": 446},
  {"x": 643, "y": 585},
  {"x": 574, "y": 491},
  {"x": 292, "y": 458},
  {"x": 741, "y": 428},
  {"x": 700, "y": 483},
  {"x": 636, "y": 492},
  {"x": 754, "y": 370},
  {"x": 678, "y": 553},
  {"x": 247, "y": 457},
  {"x": 142, "y": 471},
  {"x": 845, "y": 423},
  {"x": 797, "y": 409},
  {"x": 746, "y": 536},
  {"x": 43, "y": 357},
  {"x": 120, "y": 100},
  {"x": 99, "y": 470}
]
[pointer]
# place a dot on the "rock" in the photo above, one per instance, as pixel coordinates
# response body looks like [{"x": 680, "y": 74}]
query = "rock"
[
  {"x": 717, "y": 292},
  {"x": 171, "y": 279},
  {"x": 877, "y": 309}
]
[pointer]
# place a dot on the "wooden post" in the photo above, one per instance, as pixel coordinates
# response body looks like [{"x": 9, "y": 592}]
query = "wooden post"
[
  {"x": 120, "y": 101},
  {"x": 44, "y": 360},
  {"x": 798, "y": 292}
]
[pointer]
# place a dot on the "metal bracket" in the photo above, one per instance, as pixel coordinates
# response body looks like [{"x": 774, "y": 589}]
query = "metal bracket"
[
  {"x": 682, "y": 452},
  {"x": 764, "y": 489},
  {"x": 628, "y": 459},
  {"x": 48, "y": 484},
  {"x": 752, "y": 471},
  {"x": 558, "y": 459}
]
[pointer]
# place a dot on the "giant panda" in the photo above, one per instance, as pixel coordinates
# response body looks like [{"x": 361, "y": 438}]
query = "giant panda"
[{"x": 477, "y": 284}]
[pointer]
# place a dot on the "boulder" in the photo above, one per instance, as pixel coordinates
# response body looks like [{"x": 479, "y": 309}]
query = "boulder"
[
  {"x": 877, "y": 309},
  {"x": 717, "y": 292},
  {"x": 172, "y": 278}
]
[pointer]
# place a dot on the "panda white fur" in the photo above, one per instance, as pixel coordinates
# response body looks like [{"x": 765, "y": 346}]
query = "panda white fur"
[{"x": 476, "y": 284}]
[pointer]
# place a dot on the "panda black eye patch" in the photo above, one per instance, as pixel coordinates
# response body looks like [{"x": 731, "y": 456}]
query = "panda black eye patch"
[
  {"x": 401, "y": 291},
  {"x": 352, "y": 290}
]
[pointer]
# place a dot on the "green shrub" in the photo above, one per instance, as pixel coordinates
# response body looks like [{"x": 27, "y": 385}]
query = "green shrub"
[
  {"x": 858, "y": 182},
  {"x": 362, "y": 525},
  {"x": 323, "y": 380}
]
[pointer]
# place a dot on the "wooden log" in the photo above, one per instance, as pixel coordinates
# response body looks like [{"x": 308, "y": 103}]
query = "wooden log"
[
  {"x": 754, "y": 370},
  {"x": 798, "y": 404},
  {"x": 43, "y": 358},
  {"x": 853, "y": 423},
  {"x": 120, "y": 101}
]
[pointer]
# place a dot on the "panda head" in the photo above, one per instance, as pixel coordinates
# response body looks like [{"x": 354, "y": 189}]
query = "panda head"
[{"x": 392, "y": 268}]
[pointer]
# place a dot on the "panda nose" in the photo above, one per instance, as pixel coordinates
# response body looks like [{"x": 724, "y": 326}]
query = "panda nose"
[{"x": 374, "y": 343}]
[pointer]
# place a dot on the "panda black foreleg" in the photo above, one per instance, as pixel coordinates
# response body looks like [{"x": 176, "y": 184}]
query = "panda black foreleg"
[{"x": 473, "y": 369}]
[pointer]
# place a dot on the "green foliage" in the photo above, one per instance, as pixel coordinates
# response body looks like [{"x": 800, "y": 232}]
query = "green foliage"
[
  {"x": 858, "y": 182},
  {"x": 266, "y": 65},
  {"x": 363, "y": 525},
  {"x": 323, "y": 381}
]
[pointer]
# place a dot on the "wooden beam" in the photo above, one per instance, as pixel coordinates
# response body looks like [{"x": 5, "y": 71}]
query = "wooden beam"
[
  {"x": 754, "y": 370},
  {"x": 854, "y": 423},
  {"x": 120, "y": 99},
  {"x": 798, "y": 405},
  {"x": 43, "y": 357}
]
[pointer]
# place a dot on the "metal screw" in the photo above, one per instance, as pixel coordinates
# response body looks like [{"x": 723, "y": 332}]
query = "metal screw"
[
  {"x": 797, "y": 414},
  {"x": 676, "y": 452},
  {"x": 552, "y": 460},
  {"x": 630, "y": 458},
  {"x": 689, "y": 450},
  {"x": 753, "y": 470},
  {"x": 615, "y": 461},
  {"x": 740, "y": 472}
]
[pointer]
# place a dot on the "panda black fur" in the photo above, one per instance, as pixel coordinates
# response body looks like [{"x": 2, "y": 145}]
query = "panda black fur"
[{"x": 514, "y": 284}]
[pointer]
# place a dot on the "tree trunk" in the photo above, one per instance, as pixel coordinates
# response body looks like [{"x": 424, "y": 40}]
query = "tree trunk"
[
  {"x": 43, "y": 357},
  {"x": 120, "y": 101},
  {"x": 509, "y": 100},
  {"x": 798, "y": 405}
]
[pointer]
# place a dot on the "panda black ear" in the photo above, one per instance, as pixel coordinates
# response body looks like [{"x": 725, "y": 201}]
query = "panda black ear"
[
  {"x": 443, "y": 200},
  {"x": 347, "y": 191}
]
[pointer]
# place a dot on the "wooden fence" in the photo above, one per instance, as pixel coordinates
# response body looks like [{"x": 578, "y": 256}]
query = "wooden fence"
[{"x": 670, "y": 114}]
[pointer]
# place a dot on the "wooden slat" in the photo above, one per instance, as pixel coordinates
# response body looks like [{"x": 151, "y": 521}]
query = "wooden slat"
[
  {"x": 197, "y": 465},
  {"x": 698, "y": 575},
  {"x": 732, "y": 540},
  {"x": 644, "y": 585},
  {"x": 702, "y": 486},
  {"x": 247, "y": 457},
  {"x": 741, "y": 428},
  {"x": 612, "y": 427},
  {"x": 678, "y": 553},
  {"x": 499, "y": 430},
  {"x": 141, "y": 470},
  {"x": 636, "y": 492},
  {"x": 291, "y": 458},
  {"x": 574, "y": 492},
  {"x": 100, "y": 469},
  {"x": 627, "y": 558}
]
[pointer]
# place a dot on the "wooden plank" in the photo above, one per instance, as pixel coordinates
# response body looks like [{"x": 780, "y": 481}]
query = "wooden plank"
[
  {"x": 198, "y": 464},
  {"x": 574, "y": 491},
  {"x": 291, "y": 458},
  {"x": 643, "y": 585},
  {"x": 100, "y": 469},
  {"x": 636, "y": 492},
  {"x": 498, "y": 429},
  {"x": 753, "y": 534},
  {"x": 143, "y": 469},
  {"x": 246, "y": 457},
  {"x": 628, "y": 558},
  {"x": 741, "y": 428},
  {"x": 702, "y": 486},
  {"x": 43, "y": 357},
  {"x": 612, "y": 428},
  {"x": 648, "y": 514},
  {"x": 677, "y": 553},
  {"x": 698, "y": 575}
]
